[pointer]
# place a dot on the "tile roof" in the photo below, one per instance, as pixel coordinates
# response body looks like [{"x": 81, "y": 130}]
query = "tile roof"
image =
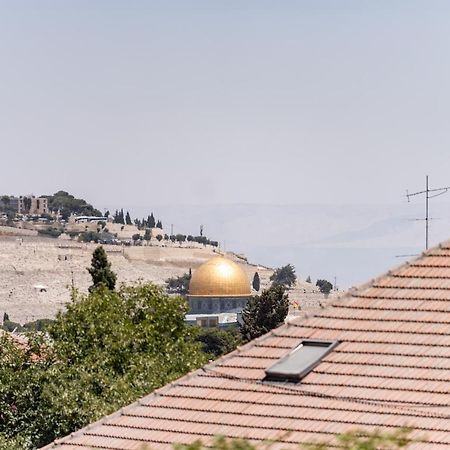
[{"x": 390, "y": 369}]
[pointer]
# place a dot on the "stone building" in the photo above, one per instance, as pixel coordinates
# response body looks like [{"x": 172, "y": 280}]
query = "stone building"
[
  {"x": 218, "y": 287},
  {"x": 29, "y": 204}
]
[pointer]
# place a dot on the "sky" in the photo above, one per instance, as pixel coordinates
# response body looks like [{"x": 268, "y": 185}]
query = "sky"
[
  {"x": 153, "y": 105},
  {"x": 223, "y": 102}
]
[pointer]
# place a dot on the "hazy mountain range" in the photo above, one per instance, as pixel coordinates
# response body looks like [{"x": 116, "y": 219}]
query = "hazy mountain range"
[{"x": 352, "y": 242}]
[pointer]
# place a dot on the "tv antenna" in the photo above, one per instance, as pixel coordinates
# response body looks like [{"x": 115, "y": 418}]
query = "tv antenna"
[{"x": 429, "y": 194}]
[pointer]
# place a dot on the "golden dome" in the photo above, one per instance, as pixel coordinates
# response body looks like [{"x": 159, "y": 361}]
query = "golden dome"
[{"x": 219, "y": 277}]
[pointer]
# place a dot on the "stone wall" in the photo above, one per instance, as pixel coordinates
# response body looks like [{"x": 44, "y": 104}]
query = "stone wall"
[{"x": 216, "y": 305}]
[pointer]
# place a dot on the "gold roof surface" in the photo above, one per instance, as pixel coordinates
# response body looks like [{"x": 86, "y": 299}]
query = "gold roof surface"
[{"x": 219, "y": 277}]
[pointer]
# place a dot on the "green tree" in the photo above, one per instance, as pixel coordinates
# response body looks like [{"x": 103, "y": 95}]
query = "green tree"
[
  {"x": 218, "y": 342},
  {"x": 284, "y": 276},
  {"x": 136, "y": 237},
  {"x": 67, "y": 204},
  {"x": 89, "y": 236},
  {"x": 5, "y": 202},
  {"x": 178, "y": 285},
  {"x": 308, "y": 279},
  {"x": 324, "y": 286},
  {"x": 10, "y": 326},
  {"x": 151, "y": 221},
  {"x": 100, "y": 270},
  {"x": 128, "y": 220},
  {"x": 108, "y": 349},
  {"x": 264, "y": 312},
  {"x": 256, "y": 283}
]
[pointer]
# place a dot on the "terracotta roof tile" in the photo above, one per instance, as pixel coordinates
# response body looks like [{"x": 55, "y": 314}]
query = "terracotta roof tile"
[{"x": 391, "y": 368}]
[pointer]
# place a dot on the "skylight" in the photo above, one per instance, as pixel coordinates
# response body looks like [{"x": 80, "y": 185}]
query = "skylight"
[{"x": 300, "y": 361}]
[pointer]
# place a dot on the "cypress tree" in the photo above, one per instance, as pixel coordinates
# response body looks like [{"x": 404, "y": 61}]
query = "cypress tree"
[
  {"x": 128, "y": 219},
  {"x": 256, "y": 282},
  {"x": 151, "y": 221},
  {"x": 100, "y": 270}
]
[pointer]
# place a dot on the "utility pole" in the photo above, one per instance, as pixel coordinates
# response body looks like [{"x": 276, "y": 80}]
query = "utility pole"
[{"x": 427, "y": 191}]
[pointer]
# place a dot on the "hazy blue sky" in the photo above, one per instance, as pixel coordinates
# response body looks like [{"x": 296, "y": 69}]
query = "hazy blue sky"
[{"x": 147, "y": 102}]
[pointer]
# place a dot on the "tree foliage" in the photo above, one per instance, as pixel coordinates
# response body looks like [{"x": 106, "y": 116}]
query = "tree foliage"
[
  {"x": 53, "y": 232},
  {"x": 151, "y": 223},
  {"x": 89, "y": 236},
  {"x": 324, "y": 286},
  {"x": 100, "y": 270},
  {"x": 119, "y": 217},
  {"x": 370, "y": 440},
  {"x": 178, "y": 285},
  {"x": 67, "y": 204},
  {"x": 354, "y": 440},
  {"x": 217, "y": 342},
  {"x": 108, "y": 349},
  {"x": 284, "y": 276},
  {"x": 202, "y": 240},
  {"x": 36, "y": 325},
  {"x": 128, "y": 220},
  {"x": 264, "y": 312},
  {"x": 256, "y": 283}
]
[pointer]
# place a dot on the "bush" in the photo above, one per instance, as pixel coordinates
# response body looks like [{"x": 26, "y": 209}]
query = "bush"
[
  {"x": 51, "y": 232},
  {"x": 178, "y": 285},
  {"x": 218, "y": 342},
  {"x": 11, "y": 326},
  {"x": 38, "y": 325},
  {"x": 89, "y": 236}
]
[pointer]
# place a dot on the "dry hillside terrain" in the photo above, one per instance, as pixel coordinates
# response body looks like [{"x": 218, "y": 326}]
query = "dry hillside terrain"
[{"x": 36, "y": 273}]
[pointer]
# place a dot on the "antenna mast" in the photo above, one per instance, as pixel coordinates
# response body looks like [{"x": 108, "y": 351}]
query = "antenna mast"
[{"x": 427, "y": 191}]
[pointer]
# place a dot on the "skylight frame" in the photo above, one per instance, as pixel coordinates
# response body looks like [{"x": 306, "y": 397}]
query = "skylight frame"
[{"x": 295, "y": 375}]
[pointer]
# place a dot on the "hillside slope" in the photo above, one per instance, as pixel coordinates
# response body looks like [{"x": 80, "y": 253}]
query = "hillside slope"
[{"x": 36, "y": 274}]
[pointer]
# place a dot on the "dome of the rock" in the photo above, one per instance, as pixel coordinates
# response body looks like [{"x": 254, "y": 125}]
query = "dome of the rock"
[{"x": 219, "y": 277}]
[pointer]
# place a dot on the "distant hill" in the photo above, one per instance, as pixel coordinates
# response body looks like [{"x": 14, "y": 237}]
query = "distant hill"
[
  {"x": 67, "y": 204},
  {"x": 352, "y": 242}
]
